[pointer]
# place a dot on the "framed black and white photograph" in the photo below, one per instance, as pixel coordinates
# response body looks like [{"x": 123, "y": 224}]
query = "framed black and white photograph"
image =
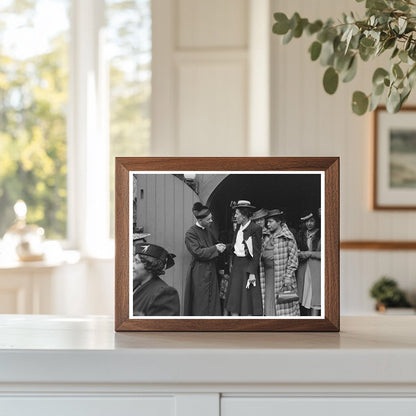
[
  {"x": 227, "y": 244},
  {"x": 394, "y": 183}
]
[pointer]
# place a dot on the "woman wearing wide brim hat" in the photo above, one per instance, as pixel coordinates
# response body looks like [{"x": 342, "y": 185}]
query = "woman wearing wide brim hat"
[
  {"x": 309, "y": 272},
  {"x": 259, "y": 217},
  {"x": 243, "y": 296},
  {"x": 279, "y": 261}
]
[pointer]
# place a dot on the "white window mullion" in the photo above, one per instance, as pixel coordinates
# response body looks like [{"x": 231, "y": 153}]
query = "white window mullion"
[{"x": 88, "y": 135}]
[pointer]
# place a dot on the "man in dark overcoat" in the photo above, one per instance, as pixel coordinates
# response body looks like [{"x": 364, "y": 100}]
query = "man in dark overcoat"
[
  {"x": 202, "y": 296},
  {"x": 151, "y": 295}
]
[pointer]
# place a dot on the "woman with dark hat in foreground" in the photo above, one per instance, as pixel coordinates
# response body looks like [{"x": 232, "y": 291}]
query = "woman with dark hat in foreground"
[
  {"x": 151, "y": 295},
  {"x": 202, "y": 294},
  {"x": 279, "y": 262},
  {"x": 243, "y": 295}
]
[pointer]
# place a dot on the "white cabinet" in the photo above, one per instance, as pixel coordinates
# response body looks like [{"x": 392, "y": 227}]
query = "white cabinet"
[
  {"x": 66, "y": 286},
  {"x": 88, "y": 406},
  {"x": 79, "y": 366},
  {"x": 323, "y": 406}
]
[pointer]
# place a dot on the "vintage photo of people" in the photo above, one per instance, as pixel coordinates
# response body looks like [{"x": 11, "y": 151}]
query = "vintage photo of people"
[{"x": 227, "y": 244}]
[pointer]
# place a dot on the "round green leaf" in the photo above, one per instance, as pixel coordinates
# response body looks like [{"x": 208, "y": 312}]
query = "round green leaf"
[
  {"x": 408, "y": 42},
  {"x": 281, "y": 27},
  {"x": 379, "y": 75},
  {"x": 403, "y": 96},
  {"x": 298, "y": 30},
  {"x": 389, "y": 43},
  {"x": 393, "y": 101},
  {"x": 395, "y": 52},
  {"x": 403, "y": 56},
  {"x": 314, "y": 27},
  {"x": 322, "y": 36},
  {"x": 367, "y": 42},
  {"x": 351, "y": 71},
  {"x": 342, "y": 62},
  {"x": 378, "y": 90},
  {"x": 294, "y": 20},
  {"x": 359, "y": 103},
  {"x": 374, "y": 102},
  {"x": 366, "y": 53},
  {"x": 315, "y": 50},
  {"x": 327, "y": 54},
  {"x": 288, "y": 37},
  {"x": 397, "y": 71},
  {"x": 330, "y": 80}
]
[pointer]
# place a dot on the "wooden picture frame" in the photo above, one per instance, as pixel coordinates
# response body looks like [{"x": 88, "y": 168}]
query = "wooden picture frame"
[
  {"x": 394, "y": 158},
  {"x": 282, "y": 171}
]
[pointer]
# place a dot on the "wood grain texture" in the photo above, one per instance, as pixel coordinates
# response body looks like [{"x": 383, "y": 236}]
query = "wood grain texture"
[
  {"x": 378, "y": 245},
  {"x": 121, "y": 244},
  {"x": 329, "y": 165}
]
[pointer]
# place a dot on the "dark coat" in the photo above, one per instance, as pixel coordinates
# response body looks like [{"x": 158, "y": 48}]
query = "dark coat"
[
  {"x": 202, "y": 296},
  {"x": 155, "y": 298},
  {"x": 303, "y": 244},
  {"x": 239, "y": 299}
]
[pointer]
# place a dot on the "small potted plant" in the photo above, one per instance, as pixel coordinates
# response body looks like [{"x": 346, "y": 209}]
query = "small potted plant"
[{"x": 387, "y": 294}]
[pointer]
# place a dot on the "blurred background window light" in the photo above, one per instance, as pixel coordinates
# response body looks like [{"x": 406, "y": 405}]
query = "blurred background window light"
[{"x": 35, "y": 85}]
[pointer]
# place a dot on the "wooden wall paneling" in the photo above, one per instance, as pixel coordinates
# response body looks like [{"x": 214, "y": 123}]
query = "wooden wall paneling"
[
  {"x": 169, "y": 220},
  {"x": 212, "y": 24},
  {"x": 160, "y": 209},
  {"x": 164, "y": 91},
  {"x": 179, "y": 227},
  {"x": 212, "y": 107}
]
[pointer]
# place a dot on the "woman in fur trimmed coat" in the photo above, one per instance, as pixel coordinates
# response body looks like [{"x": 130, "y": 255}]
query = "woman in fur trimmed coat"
[{"x": 279, "y": 261}]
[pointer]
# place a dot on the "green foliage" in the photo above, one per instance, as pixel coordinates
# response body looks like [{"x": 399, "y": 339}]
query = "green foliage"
[
  {"x": 330, "y": 80},
  {"x": 33, "y": 97},
  {"x": 389, "y": 25},
  {"x": 34, "y": 103},
  {"x": 359, "y": 103},
  {"x": 386, "y": 291}
]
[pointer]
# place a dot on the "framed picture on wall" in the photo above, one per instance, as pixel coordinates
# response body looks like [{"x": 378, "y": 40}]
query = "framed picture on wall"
[
  {"x": 227, "y": 244},
  {"x": 394, "y": 178}
]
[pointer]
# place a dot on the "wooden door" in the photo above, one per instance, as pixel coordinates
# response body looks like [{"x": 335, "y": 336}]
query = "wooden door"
[{"x": 164, "y": 209}]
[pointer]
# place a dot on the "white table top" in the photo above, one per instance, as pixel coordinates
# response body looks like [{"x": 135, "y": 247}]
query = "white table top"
[
  {"x": 53, "y": 332},
  {"x": 373, "y": 349}
]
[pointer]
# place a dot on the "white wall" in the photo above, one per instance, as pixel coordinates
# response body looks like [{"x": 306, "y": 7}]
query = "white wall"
[
  {"x": 211, "y": 69},
  {"x": 308, "y": 122},
  {"x": 200, "y": 77}
]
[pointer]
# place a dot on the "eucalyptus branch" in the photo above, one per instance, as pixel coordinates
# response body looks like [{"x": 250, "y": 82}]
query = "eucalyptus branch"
[{"x": 339, "y": 47}]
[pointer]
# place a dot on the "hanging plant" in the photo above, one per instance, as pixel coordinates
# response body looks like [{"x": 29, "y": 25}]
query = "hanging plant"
[{"x": 389, "y": 27}]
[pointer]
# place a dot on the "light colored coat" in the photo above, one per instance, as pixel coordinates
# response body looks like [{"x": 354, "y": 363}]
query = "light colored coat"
[{"x": 285, "y": 258}]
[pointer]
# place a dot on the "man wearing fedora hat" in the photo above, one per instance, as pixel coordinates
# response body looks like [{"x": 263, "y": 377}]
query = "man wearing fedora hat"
[
  {"x": 151, "y": 295},
  {"x": 202, "y": 294},
  {"x": 243, "y": 296}
]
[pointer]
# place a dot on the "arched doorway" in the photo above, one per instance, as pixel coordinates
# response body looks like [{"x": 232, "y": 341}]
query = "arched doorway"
[{"x": 292, "y": 193}]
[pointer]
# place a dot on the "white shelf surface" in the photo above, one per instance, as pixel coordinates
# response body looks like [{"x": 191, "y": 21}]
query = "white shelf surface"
[{"x": 372, "y": 350}]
